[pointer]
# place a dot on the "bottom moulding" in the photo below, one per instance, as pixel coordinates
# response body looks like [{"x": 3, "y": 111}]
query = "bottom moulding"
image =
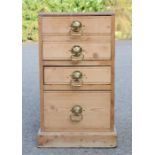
[{"x": 77, "y": 139}]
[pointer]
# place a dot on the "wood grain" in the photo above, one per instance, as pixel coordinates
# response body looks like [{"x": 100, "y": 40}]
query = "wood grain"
[
  {"x": 62, "y": 51},
  {"x": 113, "y": 73},
  {"x": 97, "y": 93},
  {"x": 77, "y": 139},
  {"x": 78, "y": 39},
  {"x": 80, "y": 63},
  {"x": 96, "y": 108},
  {"x": 61, "y": 25},
  {"x": 91, "y": 75},
  {"x": 41, "y": 77},
  {"x": 84, "y": 87}
]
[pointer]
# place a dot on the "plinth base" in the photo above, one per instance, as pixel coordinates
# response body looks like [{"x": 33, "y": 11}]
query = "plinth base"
[{"x": 77, "y": 139}]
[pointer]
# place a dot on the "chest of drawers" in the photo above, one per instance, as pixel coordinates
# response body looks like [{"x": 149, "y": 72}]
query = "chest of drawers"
[{"x": 76, "y": 53}]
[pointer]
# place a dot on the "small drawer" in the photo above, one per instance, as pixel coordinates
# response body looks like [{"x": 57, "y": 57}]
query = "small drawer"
[
  {"x": 77, "y": 77},
  {"x": 77, "y": 110},
  {"x": 76, "y": 25},
  {"x": 76, "y": 51}
]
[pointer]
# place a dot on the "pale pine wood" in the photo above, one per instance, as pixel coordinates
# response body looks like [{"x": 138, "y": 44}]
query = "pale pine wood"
[
  {"x": 41, "y": 77},
  {"x": 91, "y": 75},
  {"x": 78, "y": 39},
  {"x": 80, "y": 63},
  {"x": 84, "y": 87},
  {"x": 77, "y": 139},
  {"x": 61, "y": 25},
  {"x": 62, "y": 51},
  {"x": 96, "y": 106},
  {"x": 113, "y": 72},
  {"x": 100, "y": 38}
]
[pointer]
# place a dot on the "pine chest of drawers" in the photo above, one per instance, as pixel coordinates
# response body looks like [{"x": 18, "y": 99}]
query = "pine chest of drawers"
[{"x": 77, "y": 80}]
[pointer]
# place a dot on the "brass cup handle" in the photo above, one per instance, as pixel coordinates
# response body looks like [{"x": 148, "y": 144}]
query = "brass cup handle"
[
  {"x": 76, "y": 50},
  {"x": 76, "y": 114},
  {"x": 76, "y": 75},
  {"x": 77, "y": 54},
  {"x": 76, "y": 80},
  {"x": 76, "y": 26}
]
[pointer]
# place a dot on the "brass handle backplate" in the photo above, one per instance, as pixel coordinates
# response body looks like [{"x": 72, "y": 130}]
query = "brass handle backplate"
[{"x": 76, "y": 114}]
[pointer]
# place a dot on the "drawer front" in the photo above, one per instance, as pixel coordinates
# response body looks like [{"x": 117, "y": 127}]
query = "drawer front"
[
  {"x": 75, "y": 110},
  {"x": 67, "y": 51},
  {"x": 77, "y": 76},
  {"x": 88, "y": 24}
]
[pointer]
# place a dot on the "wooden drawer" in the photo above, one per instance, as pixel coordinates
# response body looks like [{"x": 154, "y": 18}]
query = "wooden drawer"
[
  {"x": 95, "y": 113},
  {"x": 62, "y": 51},
  {"x": 64, "y": 77},
  {"x": 62, "y": 25}
]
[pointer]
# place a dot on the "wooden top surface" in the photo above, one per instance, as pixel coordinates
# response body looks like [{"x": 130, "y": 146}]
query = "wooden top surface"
[{"x": 77, "y": 14}]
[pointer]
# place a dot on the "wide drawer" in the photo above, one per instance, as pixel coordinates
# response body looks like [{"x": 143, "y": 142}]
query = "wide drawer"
[
  {"x": 89, "y": 24},
  {"x": 77, "y": 110},
  {"x": 77, "y": 77},
  {"x": 87, "y": 51}
]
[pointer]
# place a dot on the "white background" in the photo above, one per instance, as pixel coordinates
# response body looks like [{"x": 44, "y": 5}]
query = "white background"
[
  {"x": 10, "y": 77},
  {"x": 143, "y": 77}
]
